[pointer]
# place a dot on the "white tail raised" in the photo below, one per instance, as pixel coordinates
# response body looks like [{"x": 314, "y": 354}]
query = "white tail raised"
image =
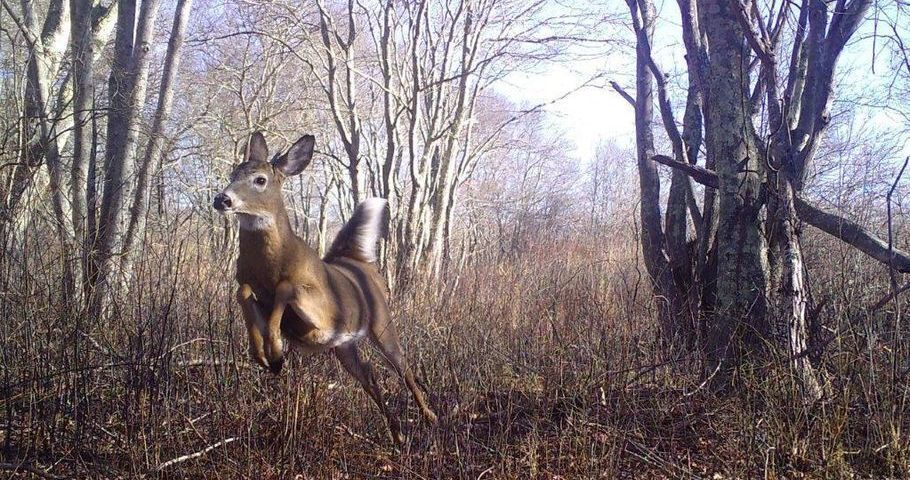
[{"x": 358, "y": 238}]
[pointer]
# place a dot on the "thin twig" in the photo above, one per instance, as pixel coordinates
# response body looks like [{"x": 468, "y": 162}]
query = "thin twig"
[{"x": 195, "y": 455}]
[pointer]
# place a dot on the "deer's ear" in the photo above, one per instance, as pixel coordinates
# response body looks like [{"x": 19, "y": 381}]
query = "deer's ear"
[
  {"x": 297, "y": 157},
  {"x": 255, "y": 149}
]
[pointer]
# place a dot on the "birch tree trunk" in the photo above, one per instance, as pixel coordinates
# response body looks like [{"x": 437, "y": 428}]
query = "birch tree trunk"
[
  {"x": 446, "y": 178},
  {"x": 47, "y": 48},
  {"x": 128, "y": 83},
  {"x": 152, "y": 158},
  {"x": 83, "y": 91}
]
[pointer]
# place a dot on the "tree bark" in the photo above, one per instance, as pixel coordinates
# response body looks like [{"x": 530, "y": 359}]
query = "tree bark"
[
  {"x": 792, "y": 291},
  {"x": 129, "y": 80},
  {"x": 653, "y": 245},
  {"x": 739, "y": 325},
  {"x": 46, "y": 51},
  {"x": 82, "y": 75},
  {"x": 154, "y": 152}
]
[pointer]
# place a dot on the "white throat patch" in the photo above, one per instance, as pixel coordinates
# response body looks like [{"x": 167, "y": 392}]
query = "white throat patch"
[{"x": 255, "y": 222}]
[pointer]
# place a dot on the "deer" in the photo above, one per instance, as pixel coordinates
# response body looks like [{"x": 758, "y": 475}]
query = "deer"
[{"x": 285, "y": 290}]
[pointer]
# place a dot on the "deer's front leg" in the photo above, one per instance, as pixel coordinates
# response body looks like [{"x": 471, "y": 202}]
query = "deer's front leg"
[
  {"x": 255, "y": 323},
  {"x": 284, "y": 293}
]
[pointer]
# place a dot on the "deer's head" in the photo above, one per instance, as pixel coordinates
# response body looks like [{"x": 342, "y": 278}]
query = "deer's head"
[{"x": 254, "y": 193}]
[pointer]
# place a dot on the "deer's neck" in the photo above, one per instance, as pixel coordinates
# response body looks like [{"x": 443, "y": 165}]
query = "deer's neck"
[
  {"x": 273, "y": 253},
  {"x": 266, "y": 238}
]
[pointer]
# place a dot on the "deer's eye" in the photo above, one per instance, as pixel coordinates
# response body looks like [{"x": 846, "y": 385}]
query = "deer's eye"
[{"x": 259, "y": 181}]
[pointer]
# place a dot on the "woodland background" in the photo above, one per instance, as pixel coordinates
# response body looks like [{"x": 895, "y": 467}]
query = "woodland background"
[{"x": 717, "y": 295}]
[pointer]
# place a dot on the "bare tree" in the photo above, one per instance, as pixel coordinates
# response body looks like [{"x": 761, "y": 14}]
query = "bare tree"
[
  {"x": 51, "y": 105},
  {"x": 126, "y": 96},
  {"x": 409, "y": 115},
  {"x": 758, "y": 165}
]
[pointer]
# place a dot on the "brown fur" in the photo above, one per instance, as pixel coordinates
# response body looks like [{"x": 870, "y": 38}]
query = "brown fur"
[{"x": 286, "y": 290}]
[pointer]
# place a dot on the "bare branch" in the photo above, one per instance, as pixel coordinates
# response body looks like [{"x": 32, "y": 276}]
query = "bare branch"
[
  {"x": 30, "y": 36},
  {"x": 846, "y": 230},
  {"x": 757, "y": 40},
  {"x": 623, "y": 93},
  {"x": 701, "y": 175}
]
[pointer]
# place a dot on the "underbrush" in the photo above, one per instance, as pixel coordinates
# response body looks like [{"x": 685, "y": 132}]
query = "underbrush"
[{"x": 543, "y": 366}]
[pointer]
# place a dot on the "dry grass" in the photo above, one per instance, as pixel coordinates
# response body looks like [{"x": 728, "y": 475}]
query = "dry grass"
[{"x": 541, "y": 367}]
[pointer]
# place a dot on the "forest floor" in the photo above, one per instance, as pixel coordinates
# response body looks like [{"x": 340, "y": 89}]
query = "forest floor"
[{"x": 538, "y": 370}]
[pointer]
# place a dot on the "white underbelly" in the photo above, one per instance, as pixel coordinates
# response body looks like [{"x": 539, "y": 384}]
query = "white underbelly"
[{"x": 316, "y": 342}]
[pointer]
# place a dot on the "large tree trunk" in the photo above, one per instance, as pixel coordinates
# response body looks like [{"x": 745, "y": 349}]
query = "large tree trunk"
[{"x": 740, "y": 324}]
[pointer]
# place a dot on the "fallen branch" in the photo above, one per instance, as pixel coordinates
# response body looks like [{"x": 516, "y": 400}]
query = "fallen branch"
[
  {"x": 210, "y": 363},
  {"x": 853, "y": 234},
  {"x": 195, "y": 455},
  {"x": 27, "y": 468},
  {"x": 839, "y": 227},
  {"x": 346, "y": 429}
]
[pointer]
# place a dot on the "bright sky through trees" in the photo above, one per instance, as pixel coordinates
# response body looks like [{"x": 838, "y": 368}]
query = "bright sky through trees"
[{"x": 592, "y": 114}]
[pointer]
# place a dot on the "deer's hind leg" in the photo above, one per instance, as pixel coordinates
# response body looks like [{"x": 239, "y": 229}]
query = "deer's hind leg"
[
  {"x": 363, "y": 372},
  {"x": 385, "y": 337},
  {"x": 255, "y": 323}
]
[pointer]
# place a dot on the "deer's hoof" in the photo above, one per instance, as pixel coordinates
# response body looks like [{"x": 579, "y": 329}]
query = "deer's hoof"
[{"x": 275, "y": 366}]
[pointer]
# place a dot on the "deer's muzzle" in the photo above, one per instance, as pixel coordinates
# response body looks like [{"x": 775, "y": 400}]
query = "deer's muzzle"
[{"x": 222, "y": 202}]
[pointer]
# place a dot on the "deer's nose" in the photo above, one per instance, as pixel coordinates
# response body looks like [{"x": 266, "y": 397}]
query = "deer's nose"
[{"x": 222, "y": 202}]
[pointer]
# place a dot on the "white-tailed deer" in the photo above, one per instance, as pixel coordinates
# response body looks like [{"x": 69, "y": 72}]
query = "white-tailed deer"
[{"x": 286, "y": 289}]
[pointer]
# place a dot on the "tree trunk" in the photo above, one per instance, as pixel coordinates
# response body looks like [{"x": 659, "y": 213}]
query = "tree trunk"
[
  {"x": 82, "y": 92},
  {"x": 40, "y": 122},
  {"x": 154, "y": 152},
  {"x": 323, "y": 223},
  {"x": 792, "y": 291},
  {"x": 653, "y": 243},
  {"x": 129, "y": 79},
  {"x": 740, "y": 324}
]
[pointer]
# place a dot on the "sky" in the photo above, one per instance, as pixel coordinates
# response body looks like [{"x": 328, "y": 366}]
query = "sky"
[
  {"x": 596, "y": 113},
  {"x": 588, "y": 115}
]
